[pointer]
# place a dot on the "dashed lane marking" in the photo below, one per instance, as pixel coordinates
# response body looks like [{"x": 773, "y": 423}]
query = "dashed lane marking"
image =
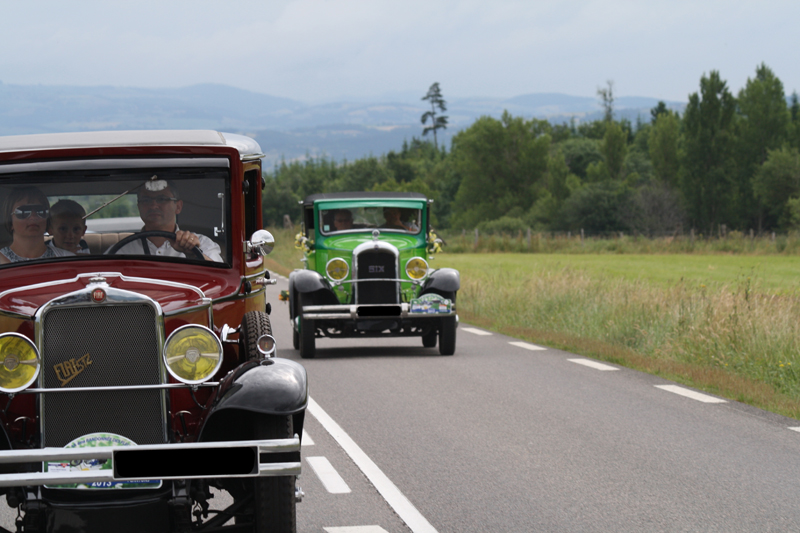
[
  {"x": 330, "y": 478},
  {"x": 475, "y": 331},
  {"x": 593, "y": 364},
  {"x": 355, "y": 529},
  {"x": 527, "y": 346},
  {"x": 396, "y": 499},
  {"x": 691, "y": 394},
  {"x": 795, "y": 429},
  {"x": 307, "y": 440}
]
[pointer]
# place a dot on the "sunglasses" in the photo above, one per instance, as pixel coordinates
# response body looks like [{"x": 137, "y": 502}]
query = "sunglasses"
[
  {"x": 160, "y": 200},
  {"x": 25, "y": 211}
]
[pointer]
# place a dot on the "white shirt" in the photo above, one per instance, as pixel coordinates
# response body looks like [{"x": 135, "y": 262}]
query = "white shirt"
[{"x": 209, "y": 248}]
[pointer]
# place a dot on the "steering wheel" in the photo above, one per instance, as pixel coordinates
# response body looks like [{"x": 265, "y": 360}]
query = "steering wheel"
[{"x": 145, "y": 234}]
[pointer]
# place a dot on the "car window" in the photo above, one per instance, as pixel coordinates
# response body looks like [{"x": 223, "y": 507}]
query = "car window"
[
  {"x": 114, "y": 203},
  {"x": 359, "y": 218}
]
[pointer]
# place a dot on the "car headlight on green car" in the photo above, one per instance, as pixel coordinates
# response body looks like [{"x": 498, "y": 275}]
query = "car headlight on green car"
[
  {"x": 417, "y": 268},
  {"x": 337, "y": 269},
  {"x": 19, "y": 362},
  {"x": 193, "y": 354}
]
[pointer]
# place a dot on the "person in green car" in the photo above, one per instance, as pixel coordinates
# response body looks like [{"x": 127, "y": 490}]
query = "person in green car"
[
  {"x": 394, "y": 220},
  {"x": 343, "y": 220}
]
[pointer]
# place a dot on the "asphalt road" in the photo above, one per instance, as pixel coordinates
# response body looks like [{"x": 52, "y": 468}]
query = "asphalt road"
[{"x": 505, "y": 437}]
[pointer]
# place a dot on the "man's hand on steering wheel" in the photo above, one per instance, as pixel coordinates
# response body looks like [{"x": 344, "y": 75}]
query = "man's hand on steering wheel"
[{"x": 185, "y": 242}]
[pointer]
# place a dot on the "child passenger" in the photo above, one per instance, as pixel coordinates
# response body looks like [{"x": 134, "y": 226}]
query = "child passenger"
[{"x": 67, "y": 227}]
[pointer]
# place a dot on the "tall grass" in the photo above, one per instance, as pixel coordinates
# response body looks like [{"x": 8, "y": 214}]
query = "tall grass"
[
  {"x": 545, "y": 242},
  {"x": 733, "y": 340}
]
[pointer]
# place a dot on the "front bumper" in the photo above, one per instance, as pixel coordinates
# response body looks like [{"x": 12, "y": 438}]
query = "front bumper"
[
  {"x": 370, "y": 311},
  {"x": 160, "y": 461}
]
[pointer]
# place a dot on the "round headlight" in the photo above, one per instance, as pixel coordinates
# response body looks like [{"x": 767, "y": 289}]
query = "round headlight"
[
  {"x": 19, "y": 362},
  {"x": 337, "y": 269},
  {"x": 193, "y": 354},
  {"x": 266, "y": 345},
  {"x": 417, "y": 268}
]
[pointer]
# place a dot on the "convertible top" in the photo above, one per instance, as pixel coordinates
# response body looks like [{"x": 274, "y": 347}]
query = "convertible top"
[{"x": 361, "y": 195}]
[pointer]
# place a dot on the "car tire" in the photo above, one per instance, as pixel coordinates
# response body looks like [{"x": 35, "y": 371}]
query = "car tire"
[
  {"x": 429, "y": 339},
  {"x": 447, "y": 330},
  {"x": 274, "y": 501},
  {"x": 307, "y": 331},
  {"x": 254, "y": 325}
]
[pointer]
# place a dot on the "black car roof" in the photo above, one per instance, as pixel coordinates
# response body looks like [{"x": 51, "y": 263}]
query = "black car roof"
[{"x": 362, "y": 195}]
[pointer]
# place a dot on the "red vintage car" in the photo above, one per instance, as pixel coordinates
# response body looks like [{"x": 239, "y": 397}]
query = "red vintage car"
[{"x": 138, "y": 371}]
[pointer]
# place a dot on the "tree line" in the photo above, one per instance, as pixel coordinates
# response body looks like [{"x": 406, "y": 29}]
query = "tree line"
[{"x": 728, "y": 162}]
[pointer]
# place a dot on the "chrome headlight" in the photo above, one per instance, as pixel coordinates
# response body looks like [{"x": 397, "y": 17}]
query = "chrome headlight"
[
  {"x": 19, "y": 362},
  {"x": 193, "y": 354},
  {"x": 337, "y": 269},
  {"x": 266, "y": 345},
  {"x": 417, "y": 268}
]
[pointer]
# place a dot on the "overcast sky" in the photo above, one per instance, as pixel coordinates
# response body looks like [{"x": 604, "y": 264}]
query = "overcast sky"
[{"x": 318, "y": 50}]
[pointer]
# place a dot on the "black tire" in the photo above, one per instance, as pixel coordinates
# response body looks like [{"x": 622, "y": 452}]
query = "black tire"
[
  {"x": 292, "y": 315},
  {"x": 429, "y": 339},
  {"x": 447, "y": 330},
  {"x": 308, "y": 343},
  {"x": 254, "y": 325},
  {"x": 274, "y": 497}
]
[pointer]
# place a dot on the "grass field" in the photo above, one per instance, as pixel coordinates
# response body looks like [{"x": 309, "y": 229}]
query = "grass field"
[{"x": 724, "y": 323}]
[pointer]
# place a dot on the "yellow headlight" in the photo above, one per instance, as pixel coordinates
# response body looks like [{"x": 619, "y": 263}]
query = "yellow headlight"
[
  {"x": 193, "y": 354},
  {"x": 19, "y": 362},
  {"x": 417, "y": 268},
  {"x": 337, "y": 269}
]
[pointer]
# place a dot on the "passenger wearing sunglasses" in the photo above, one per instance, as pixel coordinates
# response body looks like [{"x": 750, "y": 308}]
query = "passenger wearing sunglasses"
[
  {"x": 25, "y": 213},
  {"x": 159, "y": 206}
]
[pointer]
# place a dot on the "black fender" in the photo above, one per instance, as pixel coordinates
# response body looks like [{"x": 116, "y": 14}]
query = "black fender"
[
  {"x": 274, "y": 386},
  {"x": 306, "y": 281},
  {"x": 442, "y": 280}
]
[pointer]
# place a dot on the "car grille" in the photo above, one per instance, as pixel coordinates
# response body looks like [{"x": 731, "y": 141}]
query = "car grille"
[
  {"x": 122, "y": 346},
  {"x": 377, "y": 264}
]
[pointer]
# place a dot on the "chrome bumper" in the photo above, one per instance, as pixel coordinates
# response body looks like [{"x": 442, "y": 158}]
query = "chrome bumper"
[
  {"x": 367, "y": 312},
  {"x": 127, "y": 458}
]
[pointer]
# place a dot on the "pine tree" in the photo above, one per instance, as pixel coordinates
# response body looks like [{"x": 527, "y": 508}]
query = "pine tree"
[{"x": 437, "y": 122}]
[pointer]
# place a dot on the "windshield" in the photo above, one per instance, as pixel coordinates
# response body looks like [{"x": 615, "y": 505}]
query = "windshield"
[
  {"x": 351, "y": 219},
  {"x": 68, "y": 213}
]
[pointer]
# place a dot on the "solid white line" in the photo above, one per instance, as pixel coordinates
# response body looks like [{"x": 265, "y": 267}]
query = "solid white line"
[
  {"x": 475, "y": 331},
  {"x": 527, "y": 346},
  {"x": 795, "y": 429},
  {"x": 307, "y": 440},
  {"x": 593, "y": 364},
  {"x": 355, "y": 529},
  {"x": 401, "y": 505},
  {"x": 328, "y": 475},
  {"x": 691, "y": 394}
]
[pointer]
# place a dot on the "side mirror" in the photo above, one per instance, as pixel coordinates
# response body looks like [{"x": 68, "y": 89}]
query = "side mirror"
[{"x": 261, "y": 243}]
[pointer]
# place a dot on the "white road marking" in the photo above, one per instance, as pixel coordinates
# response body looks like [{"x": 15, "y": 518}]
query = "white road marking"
[
  {"x": 527, "y": 346},
  {"x": 355, "y": 529},
  {"x": 307, "y": 440},
  {"x": 691, "y": 394},
  {"x": 475, "y": 331},
  {"x": 795, "y": 429},
  {"x": 593, "y": 364},
  {"x": 328, "y": 475},
  {"x": 401, "y": 505}
]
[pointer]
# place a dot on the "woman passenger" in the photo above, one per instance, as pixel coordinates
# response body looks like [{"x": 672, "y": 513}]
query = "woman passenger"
[{"x": 25, "y": 213}]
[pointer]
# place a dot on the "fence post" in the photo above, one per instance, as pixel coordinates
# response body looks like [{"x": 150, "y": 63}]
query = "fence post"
[
  {"x": 773, "y": 236},
  {"x": 581, "y": 236},
  {"x": 476, "y": 238},
  {"x": 751, "y": 234},
  {"x": 691, "y": 235},
  {"x": 529, "y": 238}
]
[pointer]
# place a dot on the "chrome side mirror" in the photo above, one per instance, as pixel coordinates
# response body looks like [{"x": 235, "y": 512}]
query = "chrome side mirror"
[{"x": 261, "y": 243}]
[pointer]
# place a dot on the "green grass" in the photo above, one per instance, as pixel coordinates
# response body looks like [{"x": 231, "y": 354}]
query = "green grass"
[{"x": 722, "y": 322}]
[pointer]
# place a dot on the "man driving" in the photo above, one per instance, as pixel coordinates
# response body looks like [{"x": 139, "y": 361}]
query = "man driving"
[
  {"x": 343, "y": 219},
  {"x": 159, "y": 205}
]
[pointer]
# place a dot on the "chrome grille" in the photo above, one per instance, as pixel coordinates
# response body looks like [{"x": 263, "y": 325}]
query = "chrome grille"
[
  {"x": 377, "y": 264},
  {"x": 122, "y": 344}
]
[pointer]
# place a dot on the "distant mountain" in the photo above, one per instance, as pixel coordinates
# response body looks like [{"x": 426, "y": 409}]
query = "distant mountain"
[{"x": 285, "y": 128}]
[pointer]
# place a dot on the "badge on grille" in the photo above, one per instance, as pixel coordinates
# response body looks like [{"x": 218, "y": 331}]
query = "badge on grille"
[
  {"x": 98, "y": 295},
  {"x": 377, "y": 269}
]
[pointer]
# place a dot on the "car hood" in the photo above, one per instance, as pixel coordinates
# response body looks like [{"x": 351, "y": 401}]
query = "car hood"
[
  {"x": 169, "y": 295},
  {"x": 351, "y": 240}
]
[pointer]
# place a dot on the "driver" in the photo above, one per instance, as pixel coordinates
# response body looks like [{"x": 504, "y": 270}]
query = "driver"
[{"x": 159, "y": 205}]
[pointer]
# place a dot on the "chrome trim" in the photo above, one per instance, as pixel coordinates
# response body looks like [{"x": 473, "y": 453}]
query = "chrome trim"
[
  {"x": 61, "y": 454},
  {"x": 350, "y": 312},
  {"x": 38, "y": 362},
  {"x": 207, "y": 304},
  {"x": 122, "y": 388},
  {"x": 414, "y": 282},
  {"x": 114, "y": 296},
  {"x": 113, "y": 164},
  {"x": 377, "y": 245},
  {"x": 427, "y": 271},
  {"x": 213, "y": 336}
]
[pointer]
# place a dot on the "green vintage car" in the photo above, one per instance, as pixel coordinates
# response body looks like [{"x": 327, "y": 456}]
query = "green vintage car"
[{"x": 367, "y": 274}]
